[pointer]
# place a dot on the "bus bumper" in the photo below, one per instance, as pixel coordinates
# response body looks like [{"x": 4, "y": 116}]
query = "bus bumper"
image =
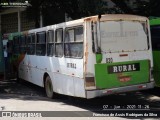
[{"x": 103, "y": 92}]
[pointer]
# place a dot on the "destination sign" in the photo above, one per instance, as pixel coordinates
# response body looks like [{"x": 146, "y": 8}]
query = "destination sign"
[{"x": 123, "y": 68}]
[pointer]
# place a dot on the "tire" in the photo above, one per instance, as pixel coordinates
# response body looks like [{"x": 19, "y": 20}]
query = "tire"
[{"x": 49, "y": 87}]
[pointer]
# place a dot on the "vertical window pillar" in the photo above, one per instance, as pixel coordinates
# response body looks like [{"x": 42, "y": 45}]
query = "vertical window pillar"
[{"x": 19, "y": 21}]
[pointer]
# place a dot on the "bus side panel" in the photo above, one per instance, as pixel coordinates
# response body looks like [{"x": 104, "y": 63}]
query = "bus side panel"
[
  {"x": 22, "y": 69},
  {"x": 79, "y": 87},
  {"x": 63, "y": 85},
  {"x": 156, "y": 60},
  {"x": 31, "y": 71},
  {"x": 29, "y": 68},
  {"x": 67, "y": 76},
  {"x": 67, "y": 85},
  {"x": 62, "y": 82}
]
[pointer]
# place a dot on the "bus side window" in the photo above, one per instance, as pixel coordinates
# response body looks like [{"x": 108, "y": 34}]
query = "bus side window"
[
  {"x": 50, "y": 43},
  {"x": 79, "y": 41},
  {"x": 59, "y": 43},
  {"x": 31, "y": 44},
  {"x": 16, "y": 45},
  {"x": 73, "y": 46},
  {"x": 41, "y": 44},
  {"x": 22, "y": 44}
]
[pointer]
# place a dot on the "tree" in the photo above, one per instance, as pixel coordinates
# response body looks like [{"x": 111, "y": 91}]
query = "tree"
[
  {"x": 139, "y": 7},
  {"x": 54, "y": 10},
  {"x": 123, "y": 6},
  {"x": 154, "y": 8}
]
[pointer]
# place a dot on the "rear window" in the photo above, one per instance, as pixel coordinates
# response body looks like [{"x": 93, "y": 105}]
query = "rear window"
[{"x": 117, "y": 36}]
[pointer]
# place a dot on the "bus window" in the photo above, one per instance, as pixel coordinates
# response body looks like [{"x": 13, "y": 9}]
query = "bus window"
[
  {"x": 22, "y": 44},
  {"x": 33, "y": 38},
  {"x": 50, "y": 43},
  {"x": 155, "y": 30},
  {"x": 16, "y": 44},
  {"x": 41, "y": 44},
  {"x": 59, "y": 43},
  {"x": 31, "y": 44},
  {"x": 79, "y": 34},
  {"x": 74, "y": 42}
]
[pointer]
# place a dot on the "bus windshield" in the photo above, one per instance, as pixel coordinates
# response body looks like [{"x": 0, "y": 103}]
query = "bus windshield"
[{"x": 118, "y": 36}]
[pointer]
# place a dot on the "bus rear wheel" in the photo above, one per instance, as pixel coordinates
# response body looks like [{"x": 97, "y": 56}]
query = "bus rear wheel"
[{"x": 49, "y": 87}]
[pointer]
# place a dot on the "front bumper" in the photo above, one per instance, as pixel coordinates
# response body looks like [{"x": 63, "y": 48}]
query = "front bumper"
[{"x": 103, "y": 92}]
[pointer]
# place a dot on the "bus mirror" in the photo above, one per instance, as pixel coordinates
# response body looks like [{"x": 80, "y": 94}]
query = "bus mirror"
[{"x": 98, "y": 50}]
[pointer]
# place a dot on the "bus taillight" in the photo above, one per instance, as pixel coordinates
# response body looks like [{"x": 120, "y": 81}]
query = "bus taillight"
[
  {"x": 142, "y": 86},
  {"x": 152, "y": 77},
  {"x": 151, "y": 72}
]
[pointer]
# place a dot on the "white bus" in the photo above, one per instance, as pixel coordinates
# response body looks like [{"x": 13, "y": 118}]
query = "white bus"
[{"x": 89, "y": 57}]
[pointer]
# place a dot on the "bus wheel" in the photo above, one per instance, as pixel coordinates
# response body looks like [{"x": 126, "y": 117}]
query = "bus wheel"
[{"x": 48, "y": 87}]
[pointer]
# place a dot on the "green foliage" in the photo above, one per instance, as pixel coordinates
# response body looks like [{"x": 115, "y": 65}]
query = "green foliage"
[
  {"x": 139, "y": 7},
  {"x": 54, "y": 10},
  {"x": 154, "y": 8},
  {"x": 123, "y": 6}
]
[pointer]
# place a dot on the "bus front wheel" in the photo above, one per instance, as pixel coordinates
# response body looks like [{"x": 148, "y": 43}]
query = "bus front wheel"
[{"x": 49, "y": 87}]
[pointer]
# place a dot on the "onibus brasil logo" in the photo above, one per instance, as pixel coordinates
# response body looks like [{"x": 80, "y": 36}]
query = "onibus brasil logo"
[{"x": 5, "y": 3}]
